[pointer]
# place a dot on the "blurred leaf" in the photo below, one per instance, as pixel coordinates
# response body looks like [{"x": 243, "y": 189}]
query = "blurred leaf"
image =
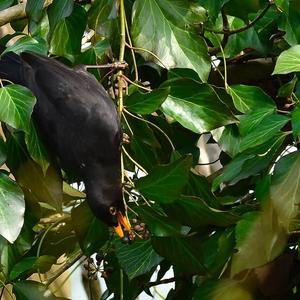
[
  {"x": 16, "y": 106},
  {"x": 182, "y": 251},
  {"x": 146, "y": 103},
  {"x": 165, "y": 183},
  {"x": 247, "y": 98},
  {"x": 12, "y": 207},
  {"x": 285, "y": 190},
  {"x": 213, "y": 7},
  {"x": 180, "y": 48},
  {"x": 159, "y": 225},
  {"x": 90, "y": 231},
  {"x": 232, "y": 8},
  {"x": 137, "y": 258},
  {"x": 287, "y": 89},
  {"x": 222, "y": 289},
  {"x": 27, "y": 43},
  {"x": 196, "y": 106},
  {"x": 5, "y": 4},
  {"x": 33, "y": 290},
  {"x": 288, "y": 61},
  {"x": 296, "y": 121},
  {"x": 193, "y": 211},
  {"x": 67, "y": 35},
  {"x": 34, "y": 9},
  {"x": 36, "y": 148},
  {"x": 101, "y": 47},
  {"x": 45, "y": 188}
]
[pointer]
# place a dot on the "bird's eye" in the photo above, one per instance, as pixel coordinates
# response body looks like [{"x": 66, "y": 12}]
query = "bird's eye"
[{"x": 113, "y": 210}]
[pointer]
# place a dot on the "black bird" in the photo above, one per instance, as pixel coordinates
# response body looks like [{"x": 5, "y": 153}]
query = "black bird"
[{"x": 79, "y": 125}]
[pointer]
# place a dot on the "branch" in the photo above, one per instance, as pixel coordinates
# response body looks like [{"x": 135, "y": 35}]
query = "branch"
[
  {"x": 249, "y": 25},
  {"x": 158, "y": 282},
  {"x": 16, "y": 12}
]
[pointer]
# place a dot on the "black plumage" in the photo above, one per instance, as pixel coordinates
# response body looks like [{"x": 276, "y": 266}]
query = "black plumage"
[{"x": 79, "y": 125}]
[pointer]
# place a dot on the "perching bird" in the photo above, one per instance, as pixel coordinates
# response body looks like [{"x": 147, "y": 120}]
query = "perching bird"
[{"x": 79, "y": 125}]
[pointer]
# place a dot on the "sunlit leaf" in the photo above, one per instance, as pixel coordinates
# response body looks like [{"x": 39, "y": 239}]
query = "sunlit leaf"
[
  {"x": 16, "y": 106},
  {"x": 12, "y": 208},
  {"x": 288, "y": 61}
]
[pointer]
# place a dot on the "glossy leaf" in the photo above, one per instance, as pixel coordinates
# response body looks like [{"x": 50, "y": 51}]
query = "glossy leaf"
[
  {"x": 146, "y": 103},
  {"x": 165, "y": 183},
  {"x": 27, "y": 43},
  {"x": 262, "y": 130},
  {"x": 67, "y": 35},
  {"x": 12, "y": 208},
  {"x": 91, "y": 232},
  {"x": 288, "y": 61},
  {"x": 285, "y": 190},
  {"x": 180, "y": 48},
  {"x": 193, "y": 211},
  {"x": 34, "y": 9},
  {"x": 36, "y": 148},
  {"x": 196, "y": 106},
  {"x": 184, "y": 252},
  {"x": 247, "y": 98},
  {"x": 16, "y": 106},
  {"x": 137, "y": 258}
]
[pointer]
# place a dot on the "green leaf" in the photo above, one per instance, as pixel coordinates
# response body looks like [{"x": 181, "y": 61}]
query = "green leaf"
[
  {"x": 5, "y": 4},
  {"x": 247, "y": 98},
  {"x": 285, "y": 188},
  {"x": 90, "y": 231},
  {"x": 288, "y": 61},
  {"x": 249, "y": 163},
  {"x": 3, "y": 153},
  {"x": 180, "y": 48},
  {"x": 101, "y": 47},
  {"x": 165, "y": 183},
  {"x": 12, "y": 207},
  {"x": 33, "y": 290},
  {"x": 40, "y": 187},
  {"x": 193, "y": 211},
  {"x": 137, "y": 258},
  {"x": 58, "y": 10},
  {"x": 222, "y": 289},
  {"x": 213, "y": 7},
  {"x": 34, "y": 9},
  {"x": 184, "y": 252},
  {"x": 196, "y": 106},
  {"x": 159, "y": 224},
  {"x": 27, "y": 43},
  {"x": 36, "y": 148},
  {"x": 296, "y": 121},
  {"x": 16, "y": 106},
  {"x": 262, "y": 130},
  {"x": 287, "y": 89},
  {"x": 229, "y": 141},
  {"x": 232, "y": 8},
  {"x": 146, "y": 103},
  {"x": 260, "y": 236},
  {"x": 67, "y": 35}
]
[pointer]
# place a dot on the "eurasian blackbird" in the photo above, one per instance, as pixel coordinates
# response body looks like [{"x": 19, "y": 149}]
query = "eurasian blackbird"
[{"x": 79, "y": 125}]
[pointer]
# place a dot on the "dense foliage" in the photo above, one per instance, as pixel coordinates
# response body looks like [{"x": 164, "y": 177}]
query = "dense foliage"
[{"x": 222, "y": 67}]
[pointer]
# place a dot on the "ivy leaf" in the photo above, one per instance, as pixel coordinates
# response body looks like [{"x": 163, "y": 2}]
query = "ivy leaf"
[
  {"x": 296, "y": 121},
  {"x": 12, "y": 208},
  {"x": 180, "y": 48},
  {"x": 90, "y": 231},
  {"x": 165, "y": 183},
  {"x": 247, "y": 98},
  {"x": 193, "y": 211},
  {"x": 196, "y": 106},
  {"x": 36, "y": 148},
  {"x": 146, "y": 103},
  {"x": 137, "y": 258},
  {"x": 185, "y": 252},
  {"x": 67, "y": 35},
  {"x": 16, "y": 106},
  {"x": 288, "y": 61},
  {"x": 285, "y": 189}
]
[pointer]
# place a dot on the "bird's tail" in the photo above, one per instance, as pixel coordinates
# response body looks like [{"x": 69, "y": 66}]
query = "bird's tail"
[{"x": 10, "y": 67}]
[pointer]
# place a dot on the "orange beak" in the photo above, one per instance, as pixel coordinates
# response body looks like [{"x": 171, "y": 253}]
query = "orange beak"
[{"x": 123, "y": 225}]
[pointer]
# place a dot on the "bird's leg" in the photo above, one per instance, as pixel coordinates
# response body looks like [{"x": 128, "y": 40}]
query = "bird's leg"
[{"x": 125, "y": 139}]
